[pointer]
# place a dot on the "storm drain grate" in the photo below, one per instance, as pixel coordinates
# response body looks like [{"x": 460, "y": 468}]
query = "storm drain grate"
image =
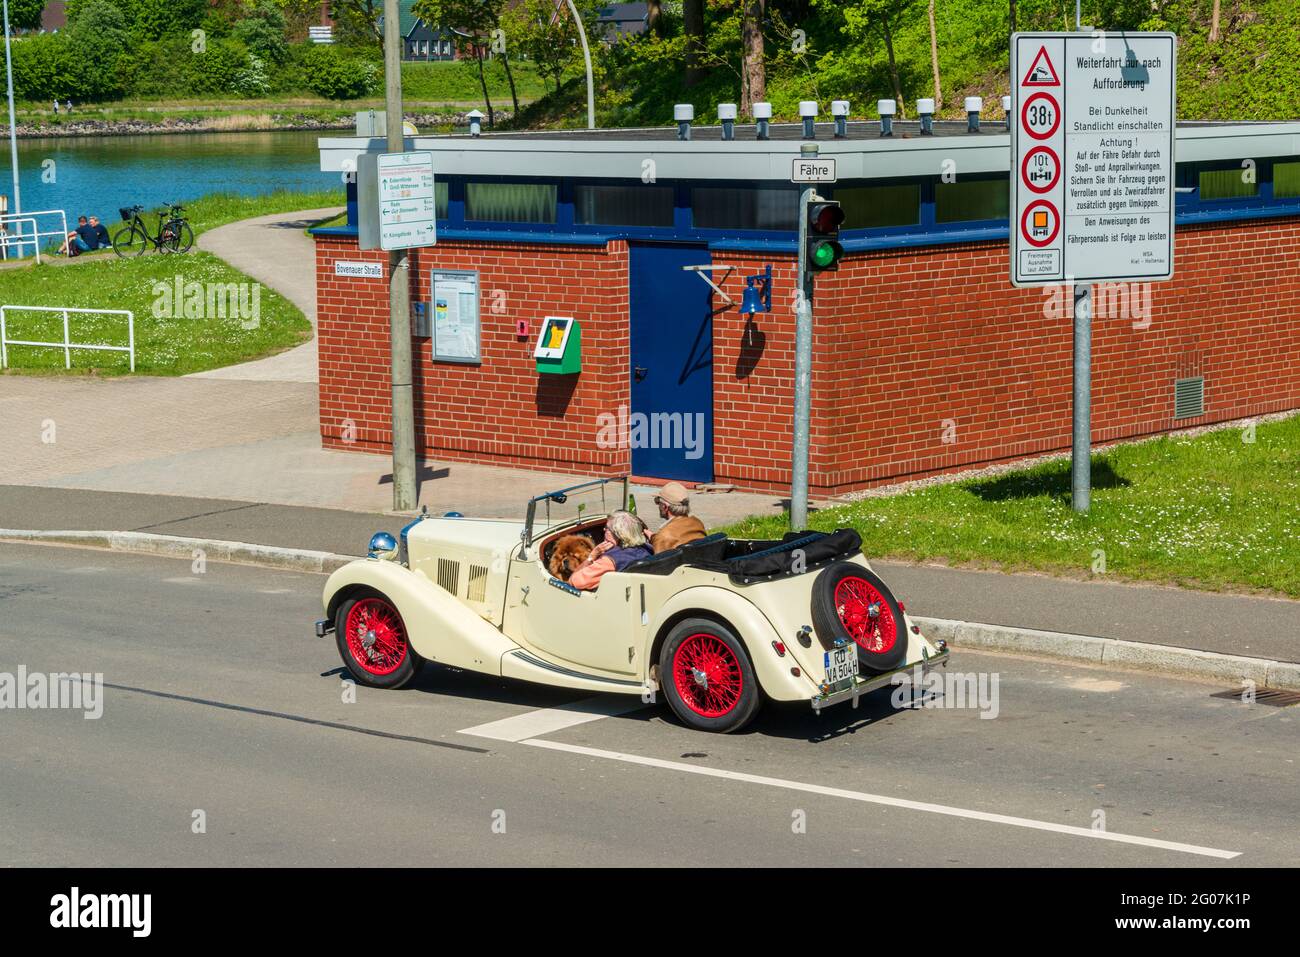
[
  {"x": 1274, "y": 696},
  {"x": 1189, "y": 397}
]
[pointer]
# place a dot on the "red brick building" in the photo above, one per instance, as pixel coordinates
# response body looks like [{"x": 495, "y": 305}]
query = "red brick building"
[{"x": 926, "y": 359}]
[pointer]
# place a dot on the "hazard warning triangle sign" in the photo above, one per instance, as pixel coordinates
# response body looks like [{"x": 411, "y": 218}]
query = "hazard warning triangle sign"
[{"x": 1041, "y": 72}]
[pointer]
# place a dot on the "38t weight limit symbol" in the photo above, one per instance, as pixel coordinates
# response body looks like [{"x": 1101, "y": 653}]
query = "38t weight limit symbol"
[{"x": 1040, "y": 116}]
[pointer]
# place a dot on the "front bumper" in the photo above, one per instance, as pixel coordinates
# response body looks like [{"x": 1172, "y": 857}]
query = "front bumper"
[
  {"x": 324, "y": 627},
  {"x": 864, "y": 685}
]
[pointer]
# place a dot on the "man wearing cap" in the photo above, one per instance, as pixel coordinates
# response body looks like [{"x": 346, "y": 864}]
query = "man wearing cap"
[{"x": 682, "y": 526}]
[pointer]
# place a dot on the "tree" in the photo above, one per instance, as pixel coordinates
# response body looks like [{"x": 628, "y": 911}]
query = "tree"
[
  {"x": 654, "y": 17},
  {"x": 753, "y": 80},
  {"x": 696, "y": 40},
  {"x": 545, "y": 33},
  {"x": 1214, "y": 23},
  {"x": 883, "y": 17},
  {"x": 472, "y": 23},
  {"x": 262, "y": 31},
  {"x": 934, "y": 60},
  {"x": 25, "y": 14}
]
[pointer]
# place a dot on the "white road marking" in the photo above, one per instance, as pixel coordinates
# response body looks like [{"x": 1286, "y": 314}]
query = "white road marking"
[
  {"x": 182, "y": 581},
  {"x": 888, "y": 801},
  {"x": 548, "y": 720}
]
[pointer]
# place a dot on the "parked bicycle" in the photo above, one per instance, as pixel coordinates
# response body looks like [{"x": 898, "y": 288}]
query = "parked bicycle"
[{"x": 173, "y": 236}]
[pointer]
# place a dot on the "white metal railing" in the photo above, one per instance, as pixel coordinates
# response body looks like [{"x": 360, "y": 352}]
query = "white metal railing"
[
  {"x": 21, "y": 240},
  {"x": 8, "y": 239},
  {"x": 67, "y": 345}
]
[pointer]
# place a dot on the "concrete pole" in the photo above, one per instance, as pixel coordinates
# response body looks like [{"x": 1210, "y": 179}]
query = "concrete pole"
[
  {"x": 1081, "y": 438},
  {"x": 802, "y": 374},
  {"x": 399, "y": 287},
  {"x": 13, "y": 126}
]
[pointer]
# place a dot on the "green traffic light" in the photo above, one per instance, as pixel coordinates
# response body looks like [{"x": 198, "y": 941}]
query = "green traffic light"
[{"x": 823, "y": 255}]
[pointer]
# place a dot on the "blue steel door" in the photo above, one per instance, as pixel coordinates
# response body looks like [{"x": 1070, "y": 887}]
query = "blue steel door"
[{"x": 670, "y": 422}]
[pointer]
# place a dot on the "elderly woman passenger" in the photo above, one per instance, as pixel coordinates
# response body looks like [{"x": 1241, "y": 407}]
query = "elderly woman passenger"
[{"x": 624, "y": 544}]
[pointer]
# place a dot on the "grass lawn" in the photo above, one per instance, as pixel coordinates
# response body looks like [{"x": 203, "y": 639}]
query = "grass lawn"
[
  {"x": 170, "y": 344},
  {"x": 1210, "y": 511}
]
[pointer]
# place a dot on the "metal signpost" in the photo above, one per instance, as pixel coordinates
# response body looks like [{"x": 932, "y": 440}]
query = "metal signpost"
[{"x": 1092, "y": 180}]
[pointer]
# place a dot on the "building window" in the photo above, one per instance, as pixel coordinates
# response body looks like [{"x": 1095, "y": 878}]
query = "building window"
[
  {"x": 440, "y": 196},
  {"x": 877, "y": 207},
  {"x": 637, "y": 205},
  {"x": 972, "y": 200},
  {"x": 510, "y": 202},
  {"x": 1225, "y": 184},
  {"x": 1286, "y": 180},
  {"x": 726, "y": 207}
]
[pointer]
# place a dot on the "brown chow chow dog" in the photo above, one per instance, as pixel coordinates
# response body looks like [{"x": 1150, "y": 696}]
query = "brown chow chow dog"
[{"x": 569, "y": 552}]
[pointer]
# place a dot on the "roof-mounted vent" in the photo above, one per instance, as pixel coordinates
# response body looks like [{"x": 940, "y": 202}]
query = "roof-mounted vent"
[
  {"x": 727, "y": 117},
  {"x": 808, "y": 110},
  {"x": 840, "y": 110},
  {"x": 886, "y": 109},
  {"x": 763, "y": 118},
  {"x": 925, "y": 110},
  {"x": 683, "y": 113},
  {"x": 973, "y": 106}
]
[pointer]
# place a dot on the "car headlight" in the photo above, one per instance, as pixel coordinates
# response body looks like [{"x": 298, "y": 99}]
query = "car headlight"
[{"x": 383, "y": 546}]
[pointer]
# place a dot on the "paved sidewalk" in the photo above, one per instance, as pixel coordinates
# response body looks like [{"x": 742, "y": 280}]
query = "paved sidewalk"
[
  {"x": 276, "y": 252},
  {"x": 1227, "y": 624}
]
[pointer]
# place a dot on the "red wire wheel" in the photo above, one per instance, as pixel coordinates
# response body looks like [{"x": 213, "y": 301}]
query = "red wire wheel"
[
  {"x": 865, "y": 614},
  {"x": 375, "y": 636},
  {"x": 851, "y": 603},
  {"x": 707, "y": 675}
]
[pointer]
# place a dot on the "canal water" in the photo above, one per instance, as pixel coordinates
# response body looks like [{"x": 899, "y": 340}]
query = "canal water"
[{"x": 98, "y": 174}]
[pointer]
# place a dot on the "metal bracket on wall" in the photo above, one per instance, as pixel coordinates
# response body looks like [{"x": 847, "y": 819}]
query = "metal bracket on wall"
[{"x": 701, "y": 270}]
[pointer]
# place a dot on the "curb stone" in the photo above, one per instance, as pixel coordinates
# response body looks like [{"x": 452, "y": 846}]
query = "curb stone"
[
  {"x": 1134, "y": 655},
  {"x": 1087, "y": 649},
  {"x": 172, "y": 546}
]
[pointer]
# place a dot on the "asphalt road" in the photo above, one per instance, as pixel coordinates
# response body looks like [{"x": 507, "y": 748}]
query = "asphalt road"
[{"x": 220, "y": 705}]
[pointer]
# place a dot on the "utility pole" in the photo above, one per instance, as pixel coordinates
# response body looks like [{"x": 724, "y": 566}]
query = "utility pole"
[
  {"x": 13, "y": 126},
  {"x": 399, "y": 287}
]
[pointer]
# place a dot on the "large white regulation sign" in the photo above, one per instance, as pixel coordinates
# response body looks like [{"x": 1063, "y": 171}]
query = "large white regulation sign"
[{"x": 1092, "y": 157}]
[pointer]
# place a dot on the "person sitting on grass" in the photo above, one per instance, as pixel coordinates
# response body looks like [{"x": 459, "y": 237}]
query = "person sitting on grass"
[
  {"x": 80, "y": 240},
  {"x": 102, "y": 240},
  {"x": 624, "y": 544}
]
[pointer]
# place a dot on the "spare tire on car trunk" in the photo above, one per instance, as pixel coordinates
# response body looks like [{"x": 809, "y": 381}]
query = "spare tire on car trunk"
[{"x": 850, "y": 601}]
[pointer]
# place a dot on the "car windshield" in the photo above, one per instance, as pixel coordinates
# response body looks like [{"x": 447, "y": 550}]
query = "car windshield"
[{"x": 590, "y": 499}]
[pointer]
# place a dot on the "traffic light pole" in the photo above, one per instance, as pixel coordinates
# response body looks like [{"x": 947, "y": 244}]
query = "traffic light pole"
[{"x": 803, "y": 320}]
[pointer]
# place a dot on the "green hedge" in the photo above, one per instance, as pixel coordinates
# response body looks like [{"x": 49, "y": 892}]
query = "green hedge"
[{"x": 51, "y": 65}]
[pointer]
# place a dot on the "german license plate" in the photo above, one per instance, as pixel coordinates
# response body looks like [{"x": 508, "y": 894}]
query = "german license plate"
[{"x": 841, "y": 665}]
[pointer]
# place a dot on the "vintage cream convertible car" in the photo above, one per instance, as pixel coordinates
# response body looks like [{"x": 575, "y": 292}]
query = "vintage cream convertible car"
[{"x": 715, "y": 625}]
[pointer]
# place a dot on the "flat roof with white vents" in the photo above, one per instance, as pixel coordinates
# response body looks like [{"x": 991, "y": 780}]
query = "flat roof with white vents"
[{"x": 863, "y": 154}]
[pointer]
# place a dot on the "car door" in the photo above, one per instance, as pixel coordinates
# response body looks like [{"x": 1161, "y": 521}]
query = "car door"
[{"x": 587, "y": 630}]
